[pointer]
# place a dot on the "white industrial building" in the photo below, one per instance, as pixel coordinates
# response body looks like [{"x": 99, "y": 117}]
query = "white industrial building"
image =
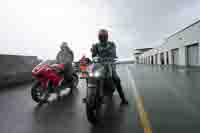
[{"x": 181, "y": 48}]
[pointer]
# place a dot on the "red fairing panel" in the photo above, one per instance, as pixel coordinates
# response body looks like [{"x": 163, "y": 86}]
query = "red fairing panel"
[{"x": 45, "y": 74}]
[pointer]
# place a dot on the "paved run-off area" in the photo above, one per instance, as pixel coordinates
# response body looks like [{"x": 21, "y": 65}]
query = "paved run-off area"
[{"x": 161, "y": 100}]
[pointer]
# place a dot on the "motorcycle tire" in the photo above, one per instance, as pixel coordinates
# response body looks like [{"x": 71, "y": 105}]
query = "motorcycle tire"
[
  {"x": 92, "y": 111},
  {"x": 76, "y": 81},
  {"x": 35, "y": 90},
  {"x": 113, "y": 91}
]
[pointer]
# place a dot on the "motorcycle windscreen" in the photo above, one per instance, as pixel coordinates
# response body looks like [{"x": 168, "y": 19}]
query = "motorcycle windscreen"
[
  {"x": 47, "y": 62},
  {"x": 93, "y": 68}
]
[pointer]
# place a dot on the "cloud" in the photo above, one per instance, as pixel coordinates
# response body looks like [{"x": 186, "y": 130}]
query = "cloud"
[{"x": 38, "y": 27}]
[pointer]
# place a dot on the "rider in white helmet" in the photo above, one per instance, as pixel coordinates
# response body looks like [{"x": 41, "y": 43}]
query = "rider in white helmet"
[{"x": 66, "y": 56}]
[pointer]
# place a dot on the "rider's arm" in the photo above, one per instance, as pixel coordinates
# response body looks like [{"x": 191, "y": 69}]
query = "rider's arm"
[
  {"x": 58, "y": 57},
  {"x": 112, "y": 51},
  {"x": 72, "y": 54},
  {"x": 94, "y": 50}
]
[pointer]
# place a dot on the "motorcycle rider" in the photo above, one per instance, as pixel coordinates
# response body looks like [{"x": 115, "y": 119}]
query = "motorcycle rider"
[
  {"x": 66, "y": 56},
  {"x": 103, "y": 49}
]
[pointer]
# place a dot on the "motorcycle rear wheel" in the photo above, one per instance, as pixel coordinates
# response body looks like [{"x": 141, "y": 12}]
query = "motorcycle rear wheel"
[{"x": 76, "y": 81}]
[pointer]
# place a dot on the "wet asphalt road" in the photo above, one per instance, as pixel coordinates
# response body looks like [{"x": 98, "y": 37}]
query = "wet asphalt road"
[{"x": 170, "y": 99}]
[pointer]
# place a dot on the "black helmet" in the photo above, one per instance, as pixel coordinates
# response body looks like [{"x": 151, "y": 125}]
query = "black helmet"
[{"x": 103, "y": 35}]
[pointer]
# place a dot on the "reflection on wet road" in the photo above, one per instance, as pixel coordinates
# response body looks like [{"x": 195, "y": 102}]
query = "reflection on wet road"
[{"x": 168, "y": 98}]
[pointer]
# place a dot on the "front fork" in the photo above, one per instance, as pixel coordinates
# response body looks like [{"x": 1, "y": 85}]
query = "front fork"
[
  {"x": 100, "y": 89},
  {"x": 94, "y": 91}
]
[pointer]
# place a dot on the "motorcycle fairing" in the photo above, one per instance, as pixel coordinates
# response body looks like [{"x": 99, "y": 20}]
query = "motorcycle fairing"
[{"x": 45, "y": 74}]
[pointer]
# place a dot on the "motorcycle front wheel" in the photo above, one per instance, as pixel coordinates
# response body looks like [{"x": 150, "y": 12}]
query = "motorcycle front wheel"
[
  {"x": 38, "y": 94},
  {"x": 93, "y": 105},
  {"x": 93, "y": 112}
]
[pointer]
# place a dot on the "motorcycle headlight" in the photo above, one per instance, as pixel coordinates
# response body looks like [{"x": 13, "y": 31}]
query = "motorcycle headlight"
[
  {"x": 91, "y": 74},
  {"x": 96, "y": 74}
]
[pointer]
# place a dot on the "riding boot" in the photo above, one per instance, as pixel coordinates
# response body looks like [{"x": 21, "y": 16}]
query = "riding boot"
[
  {"x": 121, "y": 93},
  {"x": 117, "y": 82}
]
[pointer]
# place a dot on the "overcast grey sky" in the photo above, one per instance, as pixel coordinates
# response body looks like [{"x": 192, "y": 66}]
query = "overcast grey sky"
[{"x": 37, "y": 27}]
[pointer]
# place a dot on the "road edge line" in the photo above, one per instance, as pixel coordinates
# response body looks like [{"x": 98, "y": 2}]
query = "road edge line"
[{"x": 144, "y": 120}]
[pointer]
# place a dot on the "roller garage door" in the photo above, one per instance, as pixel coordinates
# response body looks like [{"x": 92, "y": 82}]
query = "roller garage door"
[
  {"x": 162, "y": 60},
  {"x": 156, "y": 59},
  {"x": 193, "y": 55},
  {"x": 152, "y": 60},
  {"x": 175, "y": 56}
]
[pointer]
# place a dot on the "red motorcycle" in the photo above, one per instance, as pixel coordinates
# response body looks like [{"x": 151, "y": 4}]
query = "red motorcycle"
[{"x": 49, "y": 79}]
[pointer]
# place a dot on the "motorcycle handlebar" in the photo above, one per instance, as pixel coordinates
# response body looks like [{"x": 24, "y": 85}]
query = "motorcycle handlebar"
[{"x": 104, "y": 60}]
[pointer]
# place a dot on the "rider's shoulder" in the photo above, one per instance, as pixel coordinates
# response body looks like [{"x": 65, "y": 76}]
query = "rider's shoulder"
[
  {"x": 96, "y": 45},
  {"x": 111, "y": 43},
  {"x": 59, "y": 53}
]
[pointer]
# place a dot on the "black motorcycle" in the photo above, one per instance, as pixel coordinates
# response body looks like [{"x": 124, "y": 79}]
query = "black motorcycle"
[{"x": 99, "y": 85}]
